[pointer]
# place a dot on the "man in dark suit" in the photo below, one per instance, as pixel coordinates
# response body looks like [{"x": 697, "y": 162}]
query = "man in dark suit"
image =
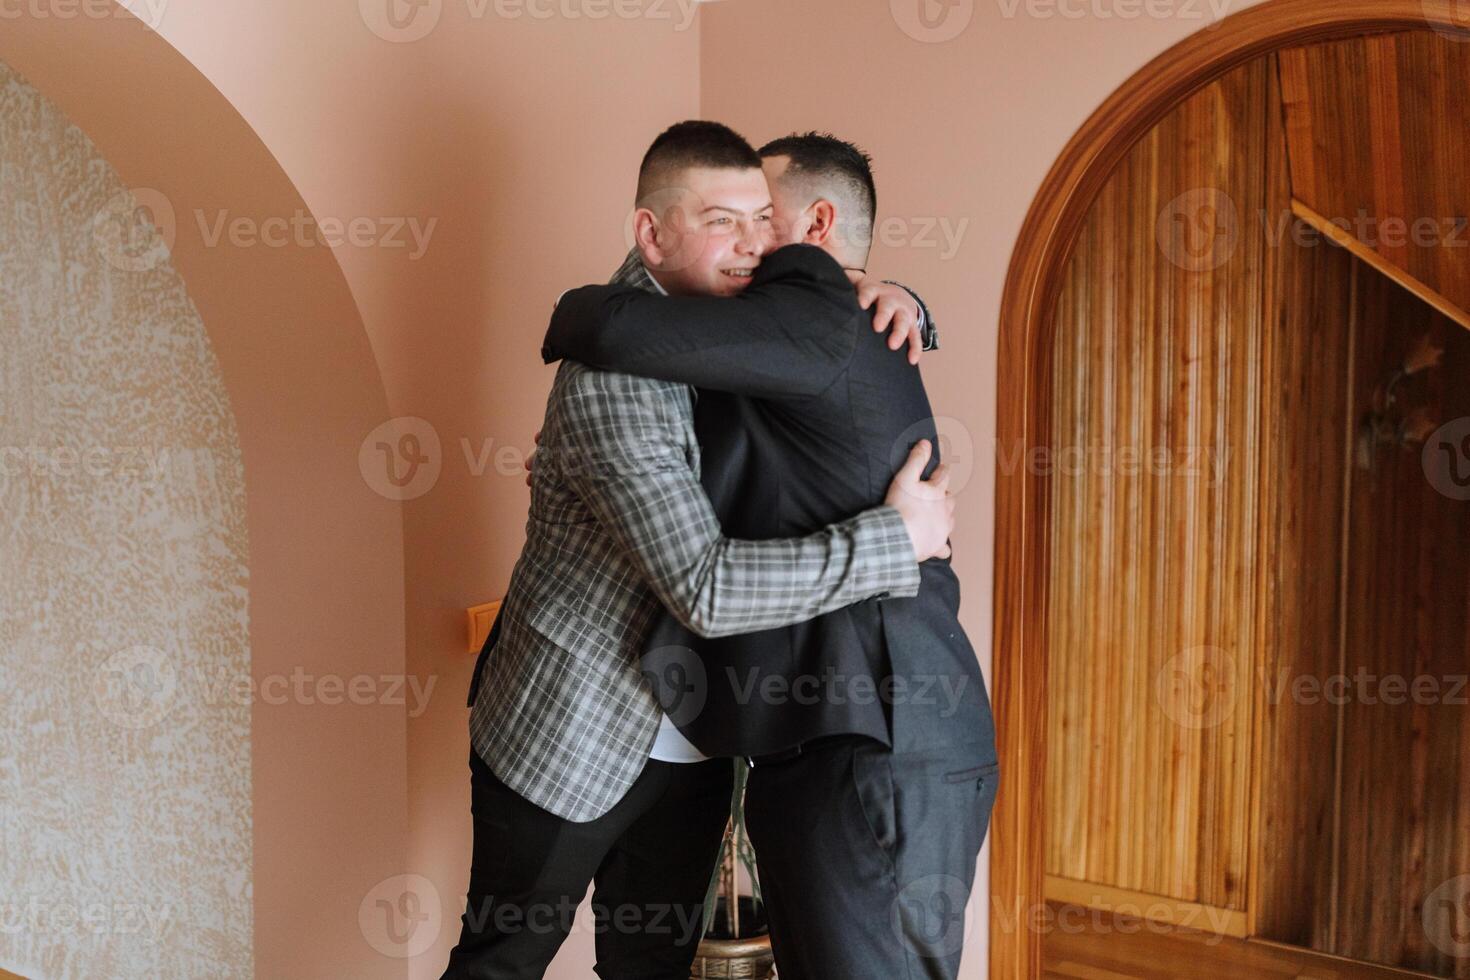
[
  {"x": 868, "y": 728},
  {"x": 577, "y": 775}
]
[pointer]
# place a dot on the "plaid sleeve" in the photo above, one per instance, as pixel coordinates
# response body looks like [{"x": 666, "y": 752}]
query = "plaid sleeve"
[{"x": 624, "y": 454}]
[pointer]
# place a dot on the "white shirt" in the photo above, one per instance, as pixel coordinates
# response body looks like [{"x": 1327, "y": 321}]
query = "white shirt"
[{"x": 671, "y": 745}]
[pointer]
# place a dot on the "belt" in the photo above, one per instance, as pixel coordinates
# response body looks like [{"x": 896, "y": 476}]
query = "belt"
[{"x": 786, "y": 755}]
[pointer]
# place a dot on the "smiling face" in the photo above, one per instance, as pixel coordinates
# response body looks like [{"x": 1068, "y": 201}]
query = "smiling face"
[{"x": 706, "y": 232}]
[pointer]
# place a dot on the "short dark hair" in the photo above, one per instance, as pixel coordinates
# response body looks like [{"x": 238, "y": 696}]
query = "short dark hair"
[
  {"x": 693, "y": 143},
  {"x": 829, "y": 159}
]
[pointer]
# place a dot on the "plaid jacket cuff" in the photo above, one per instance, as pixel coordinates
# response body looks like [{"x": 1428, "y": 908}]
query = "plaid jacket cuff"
[{"x": 884, "y": 555}]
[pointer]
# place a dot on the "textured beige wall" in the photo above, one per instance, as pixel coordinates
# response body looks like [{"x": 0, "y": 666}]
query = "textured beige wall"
[
  {"x": 328, "y": 776},
  {"x": 125, "y": 803}
]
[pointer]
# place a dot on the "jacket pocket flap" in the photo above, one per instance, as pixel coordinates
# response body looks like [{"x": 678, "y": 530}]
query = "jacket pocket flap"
[
  {"x": 966, "y": 775},
  {"x": 554, "y": 620}
]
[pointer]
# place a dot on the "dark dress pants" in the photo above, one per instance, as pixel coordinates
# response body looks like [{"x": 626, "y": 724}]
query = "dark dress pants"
[
  {"x": 866, "y": 858},
  {"x": 650, "y": 858}
]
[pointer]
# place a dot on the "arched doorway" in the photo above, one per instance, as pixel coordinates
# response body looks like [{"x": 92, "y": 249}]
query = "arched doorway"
[{"x": 1033, "y": 285}]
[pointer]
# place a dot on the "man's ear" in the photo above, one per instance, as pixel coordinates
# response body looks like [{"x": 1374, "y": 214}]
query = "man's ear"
[
  {"x": 646, "y": 237},
  {"x": 824, "y": 223}
]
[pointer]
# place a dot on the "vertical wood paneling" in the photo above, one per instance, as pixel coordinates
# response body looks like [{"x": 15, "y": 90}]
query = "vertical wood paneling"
[
  {"x": 1025, "y": 409},
  {"x": 1259, "y": 359},
  {"x": 1305, "y": 432},
  {"x": 1152, "y": 605},
  {"x": 1378, "y": 131},
  {"x": 1405, "y": 799}
]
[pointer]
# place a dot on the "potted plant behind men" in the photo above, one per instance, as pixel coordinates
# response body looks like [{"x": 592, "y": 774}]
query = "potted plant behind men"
[{"x": 737, "y": 941}]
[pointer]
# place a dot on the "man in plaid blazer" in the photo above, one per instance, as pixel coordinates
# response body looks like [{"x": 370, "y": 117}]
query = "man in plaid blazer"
[
  {"x": 576, "y": 775},
  {"x": 873, "y": 781}
]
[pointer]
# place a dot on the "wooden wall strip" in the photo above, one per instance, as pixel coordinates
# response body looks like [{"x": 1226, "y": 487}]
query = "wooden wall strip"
[
  {"x": 1338, "y": 235},
  {"x": 1156, "y": 908},
  {"x": 1377, "y": 127}
]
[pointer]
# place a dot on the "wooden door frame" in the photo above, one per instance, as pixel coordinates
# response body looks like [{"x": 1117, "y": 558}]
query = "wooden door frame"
[{"x": 1024, "y": 395}]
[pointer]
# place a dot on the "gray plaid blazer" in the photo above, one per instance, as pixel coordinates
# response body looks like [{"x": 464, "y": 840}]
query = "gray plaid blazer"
[{"x": 618, "y": 523}]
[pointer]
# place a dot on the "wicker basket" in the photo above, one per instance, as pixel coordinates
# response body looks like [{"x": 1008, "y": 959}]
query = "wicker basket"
[{"x": 733, "y": 959}]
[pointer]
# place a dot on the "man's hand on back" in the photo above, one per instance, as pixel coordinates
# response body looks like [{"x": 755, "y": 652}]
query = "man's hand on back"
[
  {"x": 926, "y": 507},
  {"x": 894, "y": 310},
  {"x": 531, "y": 459}
]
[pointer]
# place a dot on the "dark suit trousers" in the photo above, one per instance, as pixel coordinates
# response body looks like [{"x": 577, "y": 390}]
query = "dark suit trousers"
[
  {"x": 651, "y": 857},
  {"x": 866, "y": 858}
]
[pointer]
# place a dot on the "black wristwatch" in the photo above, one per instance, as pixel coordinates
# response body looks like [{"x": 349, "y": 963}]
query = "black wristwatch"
[{"x": 928, "y": 331}]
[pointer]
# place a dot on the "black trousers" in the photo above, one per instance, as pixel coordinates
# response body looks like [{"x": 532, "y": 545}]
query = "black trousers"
[
  {"x": 866, "y": 858},
  {"x": 650, "y": 857}
]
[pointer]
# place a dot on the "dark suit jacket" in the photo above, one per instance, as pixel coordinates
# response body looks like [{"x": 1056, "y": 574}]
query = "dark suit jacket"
[{"x": 803, "y": 417}]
